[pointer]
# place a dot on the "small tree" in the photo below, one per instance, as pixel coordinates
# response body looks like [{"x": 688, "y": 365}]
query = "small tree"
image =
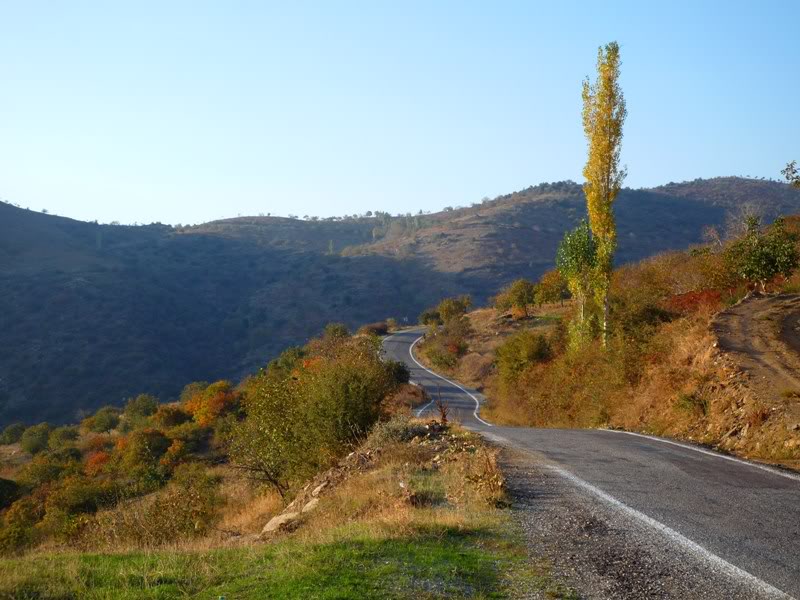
[
  {"x": 453, "y": 308},
  {"x": 576, "y": 259},
  {"x": 552, "y": 287},
  {"x": 760, "y": 255},
  {"x": 792, "y": 174},
  {"x": 519, "y": 295}
]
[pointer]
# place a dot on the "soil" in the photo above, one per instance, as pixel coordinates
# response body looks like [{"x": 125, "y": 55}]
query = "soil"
[{"x": 761, "y": 335}]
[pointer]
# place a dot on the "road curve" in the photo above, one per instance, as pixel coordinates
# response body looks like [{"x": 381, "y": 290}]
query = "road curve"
[{"x": 738, "y": 518}]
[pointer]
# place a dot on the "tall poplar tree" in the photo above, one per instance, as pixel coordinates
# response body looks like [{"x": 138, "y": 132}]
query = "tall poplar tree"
[{"x": 603, "y": 115}]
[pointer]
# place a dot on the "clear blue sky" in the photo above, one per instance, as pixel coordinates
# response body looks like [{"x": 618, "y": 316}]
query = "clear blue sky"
[{"x": 190, "y": 111}]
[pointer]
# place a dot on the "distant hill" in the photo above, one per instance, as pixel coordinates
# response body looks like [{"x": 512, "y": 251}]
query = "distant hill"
[{"x": 91, "y": 314}]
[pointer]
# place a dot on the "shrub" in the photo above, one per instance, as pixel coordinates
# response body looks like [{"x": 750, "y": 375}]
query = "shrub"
[
  {"x": 759, "y": 256},
  {"x": 335, "y": 331},
  {"x": 451, "y": 309},
  {"x": 141, "y": 406},
  {"x": 105, "y": 419},
  {"x": 62, "y": 437},
  {"x": 17, "y": 531},
  {"x": 430, "y": 317},
  {"x": 379, "y": 328},
  {"x": 67, "y": 505},
  {"x": 12, "y": 434},
  {"x": 96, "y": 462},
  {"x": 34, "y": 438},
  {"x": 519, "y": 351},
  {"x": 518, "y": 296},
  {"x": 295, "y": 425},
  {"x": 184, "y": 509},
  {"x": 170, "y": 415},
  {"x": 208, "y": 404},
  {"x": 43, "y": 469}
]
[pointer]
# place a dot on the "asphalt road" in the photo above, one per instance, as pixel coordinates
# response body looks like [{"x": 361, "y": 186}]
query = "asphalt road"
[{"x": 739, "y": 519}]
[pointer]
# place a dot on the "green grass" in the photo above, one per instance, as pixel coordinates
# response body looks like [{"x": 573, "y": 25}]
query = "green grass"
[{"x": 430, "y": 563}]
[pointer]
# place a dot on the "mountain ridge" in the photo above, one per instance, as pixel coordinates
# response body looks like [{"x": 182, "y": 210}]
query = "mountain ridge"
[{"x": 109, "y": 311}]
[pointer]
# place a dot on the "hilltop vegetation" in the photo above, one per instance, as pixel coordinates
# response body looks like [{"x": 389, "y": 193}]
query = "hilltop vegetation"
[{"x": 111, "y": 311}]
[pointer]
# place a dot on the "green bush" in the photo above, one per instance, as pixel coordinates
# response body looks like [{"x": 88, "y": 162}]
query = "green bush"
[
  {"x": 519, "y": 351},
  {"x": 297, "y": 424},
  {"x": 105, "y": 419},
  {"x": 62, "y": 437},
  {"x": 34, "y": 438},
  {"x": 12, "y": 434},
  {"x": 141, "y": 406}
]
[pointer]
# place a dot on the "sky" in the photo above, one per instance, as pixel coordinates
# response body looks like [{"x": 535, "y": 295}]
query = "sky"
[{"x": 184, "y": 112}]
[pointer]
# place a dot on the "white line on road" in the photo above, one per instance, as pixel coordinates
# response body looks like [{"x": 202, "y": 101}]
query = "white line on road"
[
  {"x": 711, "y": 453},
  {"x": 477, "y": 402},
  {"x": 421, "y": 410},
  {"x": 695, "y": 548}
]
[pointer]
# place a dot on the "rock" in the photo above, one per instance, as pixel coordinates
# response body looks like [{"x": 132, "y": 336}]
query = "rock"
[
  {"x": 280, "y": 522},
  {"x": 315, "y": 492},
  {"x": 310, "y": 505}
]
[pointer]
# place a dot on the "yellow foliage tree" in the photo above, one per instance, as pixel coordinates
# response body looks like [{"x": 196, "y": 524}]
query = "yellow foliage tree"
[{"x": 603, "y": 116}]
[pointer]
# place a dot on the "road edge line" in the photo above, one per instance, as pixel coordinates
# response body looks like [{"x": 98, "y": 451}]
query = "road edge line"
[
  {"x": 421, "y": 366},
  {"x": 676, "y": 537},
  {"x": 766, "y": 468}
]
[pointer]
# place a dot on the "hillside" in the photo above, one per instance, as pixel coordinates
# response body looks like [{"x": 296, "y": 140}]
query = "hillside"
[{"x": 108, "y": 311}]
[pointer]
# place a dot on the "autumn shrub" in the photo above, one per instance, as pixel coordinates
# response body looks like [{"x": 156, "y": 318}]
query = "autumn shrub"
[
  {"x": 17, "y": 529},
  {"x": 517, "y": 296},
  {"x": 137, "y": 411},
  {"x": 205, "y": 405},
  {"x": 170, "y": 415},
  {"x": 96, "y": 462}
]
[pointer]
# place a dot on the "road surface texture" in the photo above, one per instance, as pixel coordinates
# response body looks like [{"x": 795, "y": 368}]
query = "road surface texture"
[{"x": 621, "y": 515}]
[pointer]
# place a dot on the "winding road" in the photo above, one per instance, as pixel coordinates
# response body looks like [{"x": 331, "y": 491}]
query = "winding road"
[{"x": 731, "y": 527}]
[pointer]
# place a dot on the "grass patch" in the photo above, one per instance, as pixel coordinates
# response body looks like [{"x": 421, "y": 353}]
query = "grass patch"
[{"x": 432, "y": 562}]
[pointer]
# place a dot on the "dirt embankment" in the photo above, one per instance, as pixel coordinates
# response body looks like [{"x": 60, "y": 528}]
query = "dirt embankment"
[{"x": 761, "y": 335}]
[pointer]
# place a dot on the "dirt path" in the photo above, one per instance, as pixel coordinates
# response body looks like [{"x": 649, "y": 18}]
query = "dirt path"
[{"x": 762, "y": 336}]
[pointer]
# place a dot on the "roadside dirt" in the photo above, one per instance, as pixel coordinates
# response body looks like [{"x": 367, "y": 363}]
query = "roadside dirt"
[{"x": 761, "y": 335}]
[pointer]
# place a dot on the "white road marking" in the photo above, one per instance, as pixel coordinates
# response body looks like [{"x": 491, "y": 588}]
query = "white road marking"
[
  {"x": 421, "y": 410},
  {"x": 711, "y": 453},
  {"x": 677, "y": 538},
  {"x": 477, "y": 402}
]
